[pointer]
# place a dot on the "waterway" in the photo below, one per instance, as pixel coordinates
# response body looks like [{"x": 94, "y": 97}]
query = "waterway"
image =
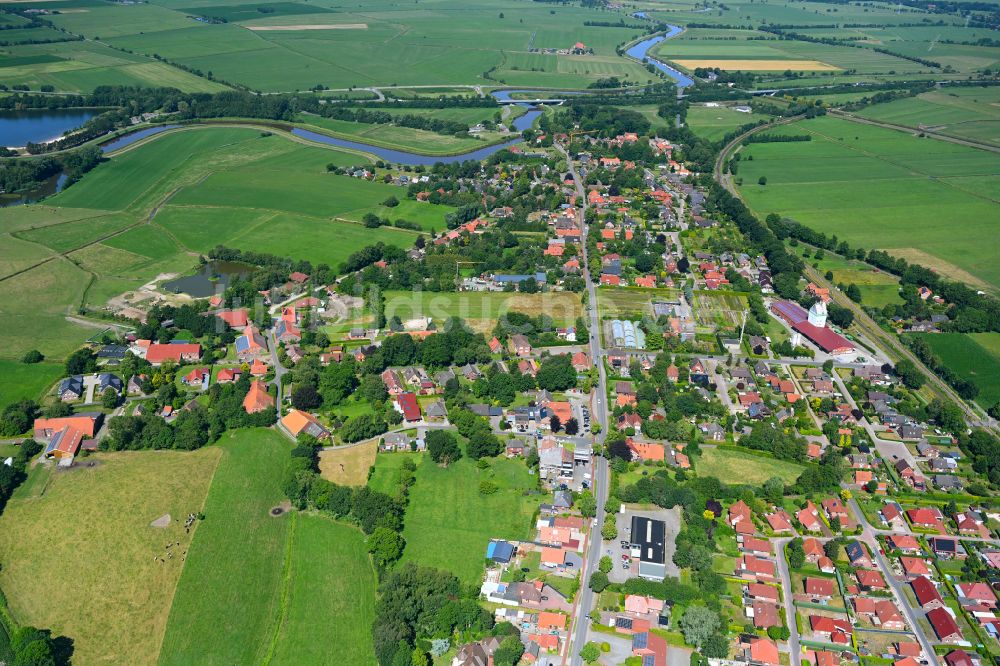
[
  {"x": 211, "y": 278},
  {"x": 18, "y": 128},
  {"x": 414, "y": 159},
  {"x": 640, "y": 52},
  {"x": 129, "y": 139}
]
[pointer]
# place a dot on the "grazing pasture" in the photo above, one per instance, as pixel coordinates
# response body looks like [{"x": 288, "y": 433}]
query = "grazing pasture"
[
  {"x": 96, "y": 521},
  {"x": 237, "y": 559},
  {"x": 975, "y": 357},
  {"x": 731, "y": 465},
  {"x": 19, "y": 381},
  {"x": 713, "y": 123},
  {"x": 880, "y": 188}
]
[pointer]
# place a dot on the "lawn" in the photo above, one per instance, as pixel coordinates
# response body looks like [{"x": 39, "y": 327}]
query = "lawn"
[
  {"x": 349, "y": 465},
  {"x": 19, "y": 380},
  {"x": 112, "y": 593},
  {"x": 482, "y": 309},
  {"x": 448, "y": 522},
  {"x": 879, "y": 188},
  {"x": 237, "y": 560},
  {"x": 975, "y": 357},
  {"x": 734, "y": 466}
]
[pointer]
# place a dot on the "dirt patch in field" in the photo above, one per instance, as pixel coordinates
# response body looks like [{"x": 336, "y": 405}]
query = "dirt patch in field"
[
  {"x": 329, "y": 26},
  {"x": 348, "y": 466},
  {"x": 760, "y": 65},
  {"x": 940, "y": 266},
  {"x": 280, "y": 509},
  {"x": 161, "y": 522}
]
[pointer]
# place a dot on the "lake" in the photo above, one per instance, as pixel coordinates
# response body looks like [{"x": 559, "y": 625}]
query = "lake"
[
  {"x": 18, "y": 128},
  {"x": 211, "y": 279}
]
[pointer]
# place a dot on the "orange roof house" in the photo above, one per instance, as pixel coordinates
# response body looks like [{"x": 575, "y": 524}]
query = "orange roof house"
[{"x": 257, "y": 398}]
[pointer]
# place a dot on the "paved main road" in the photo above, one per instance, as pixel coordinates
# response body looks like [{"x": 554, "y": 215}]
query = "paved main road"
[{"x": 585, "y": 597}]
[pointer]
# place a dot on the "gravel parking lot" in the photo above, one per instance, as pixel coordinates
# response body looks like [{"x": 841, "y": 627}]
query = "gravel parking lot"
[{"x": 625, "y": 569}]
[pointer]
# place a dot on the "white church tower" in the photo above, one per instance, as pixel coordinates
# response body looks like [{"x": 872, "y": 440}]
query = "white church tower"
[{"x": 817, "y": 314}]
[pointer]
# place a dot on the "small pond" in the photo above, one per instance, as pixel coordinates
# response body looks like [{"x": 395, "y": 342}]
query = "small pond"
[{"x": 210, "y": 279}]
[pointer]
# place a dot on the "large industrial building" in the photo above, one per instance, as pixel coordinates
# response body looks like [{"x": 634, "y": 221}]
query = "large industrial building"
[{"x": 806, "y": 323}]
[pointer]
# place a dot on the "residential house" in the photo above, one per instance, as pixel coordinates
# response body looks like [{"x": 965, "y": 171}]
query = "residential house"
[
  {"x": 70, "y": 388},
  {"x": 944, "y": 626},
  {"x": 520, "y": 345},
  {"x": 819, "y": 588},
  {"x": 257, "y": 398},
  {"x": 926, "y": 593},
  {"x": 298, "y": 422}
]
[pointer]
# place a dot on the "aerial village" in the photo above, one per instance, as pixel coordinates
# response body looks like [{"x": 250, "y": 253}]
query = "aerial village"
[{"x": 722, "y": 468}]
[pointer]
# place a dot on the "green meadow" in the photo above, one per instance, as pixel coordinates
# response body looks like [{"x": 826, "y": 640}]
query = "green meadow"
[
  {"x": 975, "y": 357},
  {"x": 448, "y": 521},
  {"x": 302, "y": 583},
  {"x": 26, "y": 381},
  {"x": 731, "y": 465},
  {"x": 929, "y": 201},
  {"x": 967, "y": 113},
  {"x": 713, "y": 123},
  {"x": 878, "y": 288}
]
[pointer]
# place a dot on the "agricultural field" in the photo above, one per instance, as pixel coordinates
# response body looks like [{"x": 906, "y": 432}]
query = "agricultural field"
[
  {"x": 19, "y": 381},
  {"x": 975, "y": 357},
  {"x": 482, "y": 309},
  {"x": 879, "y": 188},
  {"x": 966, "y": 113},
  {"x": 123, "y": 580},
  {"x": 449, "y": 522},
  {"x": 295, "y": 45},
  {"x": 715, "y": 309},
  {"x": 714, "y": 122},
  {"x": 734, "y": 466},
  {"x": 631, "y": 302}
]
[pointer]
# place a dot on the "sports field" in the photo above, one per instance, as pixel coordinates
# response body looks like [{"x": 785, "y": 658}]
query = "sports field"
[
  {"x": 968, "y": 113},
  {"x": 975, "y": 357},
  {"x": 83, "y": 560},
  {"x": 734, "y": 466},
  {"x": 880, "y": 188},
  {"x": 481, "y": 309},
  {"x": 448, "y": 521}
]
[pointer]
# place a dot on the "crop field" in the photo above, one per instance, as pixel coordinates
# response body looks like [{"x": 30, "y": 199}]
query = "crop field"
[
  {"x": 713, "y": 309},
  {"x": 236, "y": 560},
  {"x": 482, "y": 309},
  {"x": 123, "y": 579},
  {"x": 448, "y": 521},
  {"x": 974, "y": 357},
  {"x": 713, "y": 123},
  {"x": 614, "y": 303},
  {"x": 879, "y": 188},
  {"x": 734, "y": 466},
  {"x": 967, "y": 113}
]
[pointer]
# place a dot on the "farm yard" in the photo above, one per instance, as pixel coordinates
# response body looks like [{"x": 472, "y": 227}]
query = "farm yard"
[
  {"x": 973, "y": 356},
  {"x": 96, "y": 521},
  {"x": 730, "y": 465},
  {"x": 900, "y": 188}
]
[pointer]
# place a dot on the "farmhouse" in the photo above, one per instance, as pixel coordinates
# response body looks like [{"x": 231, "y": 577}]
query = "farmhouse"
[
  {"x": 178, "y": 352},
  {"x": 298, "y": 422},
  {"x": 257, "y": 398}
]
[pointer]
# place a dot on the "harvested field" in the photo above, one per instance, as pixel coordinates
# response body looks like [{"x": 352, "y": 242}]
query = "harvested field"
[
  {"x": 946, "y": 268},
  {"x": 348, "y": 466},
  {"x": 761, "y": 65},
  {"x": 328, "y": 26}
]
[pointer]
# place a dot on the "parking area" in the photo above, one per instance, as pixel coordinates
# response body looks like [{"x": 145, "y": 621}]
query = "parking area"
[{"x": 620, "y": 550}]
